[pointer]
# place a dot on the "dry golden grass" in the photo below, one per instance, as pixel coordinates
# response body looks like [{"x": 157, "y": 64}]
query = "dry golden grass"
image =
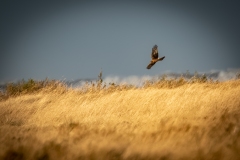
[{"x": 175, "y": 121}]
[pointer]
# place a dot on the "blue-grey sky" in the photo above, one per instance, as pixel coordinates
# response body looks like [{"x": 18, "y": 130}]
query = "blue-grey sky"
[{"x": 76, "y": 39}]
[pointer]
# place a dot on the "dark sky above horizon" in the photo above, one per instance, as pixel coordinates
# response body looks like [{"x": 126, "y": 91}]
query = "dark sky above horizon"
[{"x": 76, "y": 39}]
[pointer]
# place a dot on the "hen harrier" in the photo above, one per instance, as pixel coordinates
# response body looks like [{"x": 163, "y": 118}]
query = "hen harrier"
[{"x": 154, "y": 57}]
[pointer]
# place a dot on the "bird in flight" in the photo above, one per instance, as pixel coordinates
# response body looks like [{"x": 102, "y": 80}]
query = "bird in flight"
[{"x": 155, "y": 58}]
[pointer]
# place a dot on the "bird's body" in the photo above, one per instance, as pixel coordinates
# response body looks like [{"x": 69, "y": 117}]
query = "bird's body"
[{"x": 154, "y": 56}]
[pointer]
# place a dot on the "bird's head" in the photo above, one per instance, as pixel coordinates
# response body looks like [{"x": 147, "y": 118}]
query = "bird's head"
[{"x": 155, "y": 46}]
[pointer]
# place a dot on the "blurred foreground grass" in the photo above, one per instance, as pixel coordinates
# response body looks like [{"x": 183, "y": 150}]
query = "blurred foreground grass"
[{"x": 164, "y": 119}]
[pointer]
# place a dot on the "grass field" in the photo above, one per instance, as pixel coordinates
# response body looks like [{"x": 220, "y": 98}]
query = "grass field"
[{"x": 166, "y": 120}]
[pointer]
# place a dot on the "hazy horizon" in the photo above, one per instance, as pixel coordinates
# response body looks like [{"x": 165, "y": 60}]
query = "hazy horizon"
[{"x": 138, "y": 81}]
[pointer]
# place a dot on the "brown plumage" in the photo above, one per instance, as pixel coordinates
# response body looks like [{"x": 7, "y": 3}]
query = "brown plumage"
[{"x": 154, "y": 56}]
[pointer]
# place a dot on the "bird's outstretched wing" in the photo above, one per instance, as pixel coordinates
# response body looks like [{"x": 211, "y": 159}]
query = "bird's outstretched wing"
[
  {"x": 155, "y": 52},
  {"x": 150, "y": 65}
]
